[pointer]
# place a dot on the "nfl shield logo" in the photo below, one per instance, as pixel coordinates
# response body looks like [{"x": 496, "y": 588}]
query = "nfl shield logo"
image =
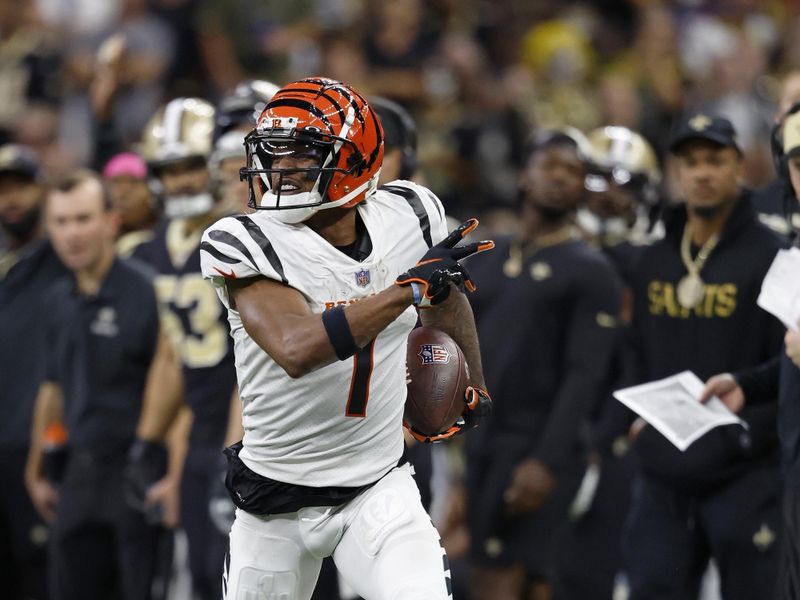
[
  {"x": 362, "y": 277},
  {"x": 433, "y": 353}
]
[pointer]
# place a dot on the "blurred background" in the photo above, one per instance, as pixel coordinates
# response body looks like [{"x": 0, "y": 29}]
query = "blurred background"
[
  {"x": 476, "y": 75},
  {"x": 81, "y": 78}
]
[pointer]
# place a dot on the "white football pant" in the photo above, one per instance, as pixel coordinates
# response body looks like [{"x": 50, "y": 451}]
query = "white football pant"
[{"x": 383, "y": 543}]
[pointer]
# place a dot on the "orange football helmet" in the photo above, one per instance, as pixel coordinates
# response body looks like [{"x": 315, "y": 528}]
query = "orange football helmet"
[{"x": 322, "y": 120}]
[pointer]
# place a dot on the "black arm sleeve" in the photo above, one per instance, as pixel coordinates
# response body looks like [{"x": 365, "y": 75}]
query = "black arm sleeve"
[
  {"x": 48, "y": 341},
  {"x": 591, "y": 338},
  {"x": 760, "y": 383}
]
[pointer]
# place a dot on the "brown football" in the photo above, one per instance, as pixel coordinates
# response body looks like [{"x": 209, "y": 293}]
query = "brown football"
[{"x": 437, "y": 373}]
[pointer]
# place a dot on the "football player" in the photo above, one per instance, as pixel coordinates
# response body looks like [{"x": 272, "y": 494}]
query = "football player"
[
  {"x": 321, "y": 286},
  {"x": 619, "y": 216},
  {"x": 400, "y": 140},
  {"x": 235, "y": 116},
  {"x": 622, "y": 182},
  {"x": 176, "y": 145},
  {"x": 239, "y": 110},
  {"x": 549, "y": 316}
]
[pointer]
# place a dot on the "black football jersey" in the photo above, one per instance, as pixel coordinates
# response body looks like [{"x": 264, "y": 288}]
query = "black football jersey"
[{"x": 197, "y": 324}]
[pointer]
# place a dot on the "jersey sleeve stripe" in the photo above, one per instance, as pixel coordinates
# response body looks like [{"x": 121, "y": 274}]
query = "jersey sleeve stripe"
[
  {"x": 436, "y": 202},
  {"x": 266, "y": 247},
  {"x": 207, "y": 247},
  {"x": 231, "y": 240},
  {"x": 419, "y": 209}
]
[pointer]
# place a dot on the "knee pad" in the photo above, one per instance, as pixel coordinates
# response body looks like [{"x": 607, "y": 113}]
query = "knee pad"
[
  {"x": 255, "y": 584},
  {"x": 261, "y": 566}
]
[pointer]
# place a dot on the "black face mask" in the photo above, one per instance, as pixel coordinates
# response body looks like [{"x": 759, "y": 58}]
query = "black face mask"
[{"x": 21, "y": 230}]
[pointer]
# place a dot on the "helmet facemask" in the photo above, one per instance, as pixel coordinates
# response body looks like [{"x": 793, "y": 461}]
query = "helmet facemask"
[{"x": 317, "y": 146}]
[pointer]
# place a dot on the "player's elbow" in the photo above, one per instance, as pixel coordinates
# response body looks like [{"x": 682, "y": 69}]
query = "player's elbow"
[
  {"x": 295, "y": 360},
  {"x": 294, "y": 371}
]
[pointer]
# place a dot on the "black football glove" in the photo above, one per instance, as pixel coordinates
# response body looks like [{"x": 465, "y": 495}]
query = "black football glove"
[
  {"x": 478, "y": 406},
  {"x": 147, "y": 464},
  {"x": 431, "y": 277}
]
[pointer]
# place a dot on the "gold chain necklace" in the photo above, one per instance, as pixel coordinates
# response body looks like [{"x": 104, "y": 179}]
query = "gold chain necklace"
[
  {"x": 691, "y": 290},
  {"x": 519, "y": 253}
]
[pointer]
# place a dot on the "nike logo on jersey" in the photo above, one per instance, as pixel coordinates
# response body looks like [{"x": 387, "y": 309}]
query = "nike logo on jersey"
[{"x": 230, "y": 275}]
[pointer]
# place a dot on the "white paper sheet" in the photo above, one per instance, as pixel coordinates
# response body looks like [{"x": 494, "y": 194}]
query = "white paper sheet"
[
  {"x": 780, "y": 290},
  {"x": 671, "y": 406}
]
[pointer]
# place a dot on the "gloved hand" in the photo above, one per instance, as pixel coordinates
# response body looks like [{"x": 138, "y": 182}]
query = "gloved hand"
[
  {"x": 147, "y": 464},
  {"x": 478, "y": 406},
  {"x": 431, "y": 277}
]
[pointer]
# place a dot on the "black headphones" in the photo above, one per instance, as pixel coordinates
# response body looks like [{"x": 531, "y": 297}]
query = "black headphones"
[
  {"x": 397, "y": 123},
  {"x": 779, "y": 159}
]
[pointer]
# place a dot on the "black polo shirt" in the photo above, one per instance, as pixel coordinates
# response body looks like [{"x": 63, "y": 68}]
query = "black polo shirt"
[
  {"x": 22, "y": 294},
  {"x": 99, "y": 350}
]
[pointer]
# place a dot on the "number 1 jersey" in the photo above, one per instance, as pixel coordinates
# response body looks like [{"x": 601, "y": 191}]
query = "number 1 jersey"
[{"x": 340, "y": 425}]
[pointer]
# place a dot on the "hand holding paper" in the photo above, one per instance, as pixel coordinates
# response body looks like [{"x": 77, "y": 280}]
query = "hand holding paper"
[
  {"x": 673, "y": 407},
  {"x": 780, "y": 290}
]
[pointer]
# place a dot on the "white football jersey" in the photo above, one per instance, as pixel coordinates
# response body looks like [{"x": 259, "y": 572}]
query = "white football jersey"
[{"x": 340, "y": 425}]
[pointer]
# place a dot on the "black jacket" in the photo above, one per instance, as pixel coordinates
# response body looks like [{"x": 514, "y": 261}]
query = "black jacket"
[
  {"x": 779, "y": 377},
  {"x": 726, "y": 332}
]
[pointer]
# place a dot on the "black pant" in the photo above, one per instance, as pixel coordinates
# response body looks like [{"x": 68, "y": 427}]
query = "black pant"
[
  {"x": 670, "y": 536},
  {"x": 595, "y": 539},
  {"x": 789, "y": 581},
  {"x": 100, "y": 549},
  {"x": 500, "y": 540},
  {"x": 23, "y": 535},
  {"x": 207, "y": 543}
]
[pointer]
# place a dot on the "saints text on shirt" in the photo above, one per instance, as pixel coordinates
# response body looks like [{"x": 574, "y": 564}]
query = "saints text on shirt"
[{"x": 719, "y": 301}]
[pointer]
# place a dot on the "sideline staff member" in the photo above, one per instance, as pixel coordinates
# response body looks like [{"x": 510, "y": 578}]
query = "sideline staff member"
[
  {"x": 28, "y": 266},
  {"x": 102, "y": 340},
  {"x": 695, "y": 308},
  {"x": 547, "y": 314},
  {"x": 779, "y": 377}
]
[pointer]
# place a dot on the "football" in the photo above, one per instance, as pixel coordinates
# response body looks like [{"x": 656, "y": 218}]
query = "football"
[{"x": 437, "y": 379}]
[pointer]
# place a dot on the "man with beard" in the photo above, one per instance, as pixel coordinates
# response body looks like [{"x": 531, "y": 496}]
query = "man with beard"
[
  {"x": 695, "y": 308},
  {"x": 547, "y": 319},
  {"x": 28, "y": 266}
]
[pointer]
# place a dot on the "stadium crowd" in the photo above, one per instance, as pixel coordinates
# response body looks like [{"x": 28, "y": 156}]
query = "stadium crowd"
[{"x": 636, "y": 163}]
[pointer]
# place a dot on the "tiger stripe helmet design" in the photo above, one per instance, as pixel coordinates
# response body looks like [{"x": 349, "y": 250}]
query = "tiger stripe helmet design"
[{"x": 320, "y": 118}]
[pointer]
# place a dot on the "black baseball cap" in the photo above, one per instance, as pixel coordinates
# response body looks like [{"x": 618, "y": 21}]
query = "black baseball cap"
[
  {"x": 699, "y": 126},
  {"x": 18, "y": 159}
]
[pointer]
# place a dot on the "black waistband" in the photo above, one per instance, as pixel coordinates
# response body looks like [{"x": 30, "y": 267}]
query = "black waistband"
[{"x": 263, "y": 496}]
